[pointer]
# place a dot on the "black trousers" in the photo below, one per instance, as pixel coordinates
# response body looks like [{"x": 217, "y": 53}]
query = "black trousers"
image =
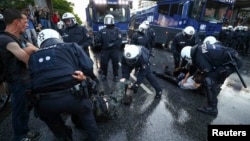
[
  {"x": 50, "y": 108},
  {"x": 114, "y": 56}
]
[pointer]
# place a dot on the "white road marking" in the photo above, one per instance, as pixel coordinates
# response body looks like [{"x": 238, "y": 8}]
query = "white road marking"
[{"x": 145, "y": 88}]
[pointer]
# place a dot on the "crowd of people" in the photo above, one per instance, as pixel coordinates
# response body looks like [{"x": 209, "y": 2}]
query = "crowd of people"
[
  {"x": 56, "y": 61},
  {"x": 237, "y": 37}
]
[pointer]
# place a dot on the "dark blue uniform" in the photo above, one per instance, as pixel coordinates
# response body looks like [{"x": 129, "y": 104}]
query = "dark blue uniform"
[
  {"x": 142, "y": 39},
  {"x": 246, "y": 39},
  {"x": 79, "y": 34},
  {"x": 238, "y": 42},
  {"x": 144, "y": 70},
  {"x": 180, "y": 42},
  {"x": 228, "y": 38},
  {"x": 151, "y": 36},
  {"x": 53, "y": 87},
  {"x": 211, "y": 60},
  {"x": 111, "y": 39}
]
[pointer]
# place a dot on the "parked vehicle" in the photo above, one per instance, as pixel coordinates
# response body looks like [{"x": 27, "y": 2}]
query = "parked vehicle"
[
  {"x": 168, "y": 17},
  {"x": 97, "y": 9}
]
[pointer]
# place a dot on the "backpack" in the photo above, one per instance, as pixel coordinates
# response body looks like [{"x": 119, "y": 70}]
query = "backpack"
[
  {"x": 3, "y": 68},
  {"x": 105, "y": 107}
]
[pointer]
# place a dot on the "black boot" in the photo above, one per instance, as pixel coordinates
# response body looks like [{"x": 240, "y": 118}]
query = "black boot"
[
  {"x": 209, "y": 110},
  {"x": 158, "y": 94},
  {"x": 212, "y": 93}
]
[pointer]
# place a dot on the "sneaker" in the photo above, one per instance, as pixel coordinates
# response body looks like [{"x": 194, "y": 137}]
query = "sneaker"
[
  {"x": 31, "y": 136},
  {"x": 158, "y": 95},
  {"x": 208, "y": 110}
]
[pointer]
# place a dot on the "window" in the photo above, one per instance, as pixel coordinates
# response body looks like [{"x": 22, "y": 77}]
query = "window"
[
  {"x": 163, "y": 9},
  {"x": 215, "y": 12},
  {"x": 196, "y": 9},
  {"x": 174, "y": 9},
  {"x": 119, "y": 13}
]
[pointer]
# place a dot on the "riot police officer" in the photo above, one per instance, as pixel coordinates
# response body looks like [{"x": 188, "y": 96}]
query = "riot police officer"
[
  {"x": 229, "y": 34},
  {"x": 140, "y": 37},
  {"x": 215, "y": 62},
  {"x": 137, "y": 57},
  {"x": 238, "y": 38},
  {"x": 150, "y": 33},
  {"x": 182, "y": 39},
  {"x": 76, "y": 33},
  {"x": 223, "y": 35},
  {"x": 57, "y": 69},
  {"x": 246, "y": 39},
  {"x": 111, "y": 39}
]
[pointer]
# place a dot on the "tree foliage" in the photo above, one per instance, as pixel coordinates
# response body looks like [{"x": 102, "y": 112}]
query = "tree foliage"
[
  {"x": 18, "y": 4},
  {"x": 63, "y": 6}
]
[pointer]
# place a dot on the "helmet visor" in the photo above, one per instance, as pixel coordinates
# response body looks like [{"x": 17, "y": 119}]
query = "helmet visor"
[
  {"x": 131, "y": 61},
  {"x": 108, "y": 20},
  {"x": 187, "y": 36},
  {"x": 189, "y": 60}
]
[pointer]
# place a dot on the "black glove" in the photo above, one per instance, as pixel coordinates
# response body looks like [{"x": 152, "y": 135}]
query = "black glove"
[{"x": 135, "y": 87}]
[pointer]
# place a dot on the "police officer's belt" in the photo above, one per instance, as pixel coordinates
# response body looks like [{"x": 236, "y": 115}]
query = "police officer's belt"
[{"x": 55, "y": 94}]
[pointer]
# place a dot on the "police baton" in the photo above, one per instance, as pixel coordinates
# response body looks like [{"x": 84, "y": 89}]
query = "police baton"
[{"x": 233, "y": 63}]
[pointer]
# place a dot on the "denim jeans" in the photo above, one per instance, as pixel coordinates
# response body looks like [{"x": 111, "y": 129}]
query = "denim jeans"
[{"x": 20, "y": 112}]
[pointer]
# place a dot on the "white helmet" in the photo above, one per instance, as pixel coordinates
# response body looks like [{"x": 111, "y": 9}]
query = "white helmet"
[
  {"x": 188, "y": 32},
  {"x": 47, "y": 34},
  {"x": 60, "y": 25},
  {"x": 186, "y": 53},
  {"x": 224, "y": 28},
  {"x": 1, "y": 17},
  {"x": 132, "y": 53},
  {"x": 230, "y": 27},
  {"x": 69, "y": 16},
  {"x": 210, "y": 40},
  {"x": 240, "y": 27},
  {"x": 245, "y": 28},
  {"x": 146, "y": 23},
  {"x": 109, "y": 19},
  {"x": 142, "y": 28}
]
